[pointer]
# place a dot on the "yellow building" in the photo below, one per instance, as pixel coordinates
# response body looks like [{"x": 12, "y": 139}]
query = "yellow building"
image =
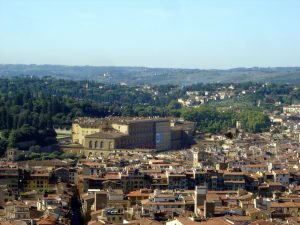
[
  {"x": 120, "y": 133},
  {"x": 102, "y": 135},
  {"x": 84, "y": 126},
  {"x": 37, "y": 180}
]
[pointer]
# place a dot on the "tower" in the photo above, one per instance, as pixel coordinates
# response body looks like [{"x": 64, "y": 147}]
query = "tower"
[{"x": 200, "y": 196}]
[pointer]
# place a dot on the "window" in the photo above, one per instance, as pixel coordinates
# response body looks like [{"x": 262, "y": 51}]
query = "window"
[
  {"x": 90, "y": 144},
  {"x": 96, "y": 144},
  {"x": 101, "y": 144},
  {"x": 110, "y": 145}
]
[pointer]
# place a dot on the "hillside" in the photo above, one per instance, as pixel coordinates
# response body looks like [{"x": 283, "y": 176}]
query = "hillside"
[{"x": 143, "y": 75}]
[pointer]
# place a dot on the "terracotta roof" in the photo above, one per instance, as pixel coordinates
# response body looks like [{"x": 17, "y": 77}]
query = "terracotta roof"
[
  {"x": 112, "y": 176},
  {"x": 281, "y": 171},
  {"x": 261, "y": 222},
  {"x": 46, "y": 221},
  {"x": 148, "y": 202},
  {"x": 106, "y": 135},
  {"x": 275, "y": 184},
  {"x": 253, "y": 210},
  {"x": 285, "y": 204},
  {"x": 143, "y": 221},
  {"x": 212, "y": 221},
  {"x": 139, "y": 193},
  {"x": 212, "y": 197},
  {"x": 236, "y": 218},
  {"x": 95, "y": 223},
  {"x": 222, "y": 192}
]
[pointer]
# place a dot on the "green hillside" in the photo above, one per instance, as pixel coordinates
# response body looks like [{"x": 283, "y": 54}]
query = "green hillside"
[{"x": 143, "y": 75}]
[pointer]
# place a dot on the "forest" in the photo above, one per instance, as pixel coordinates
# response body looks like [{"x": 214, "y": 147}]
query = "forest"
[{"x": 31, "y": 107}]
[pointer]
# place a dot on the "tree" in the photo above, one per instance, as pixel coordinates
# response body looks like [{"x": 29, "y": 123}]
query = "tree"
[
  {"x": 3, "y": 146},
  {"x": 12, "y": 139}
]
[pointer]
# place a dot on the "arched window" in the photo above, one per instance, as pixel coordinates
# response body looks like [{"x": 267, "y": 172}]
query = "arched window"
[
  {"x": 90, "y": 144},
  {"x": 101, "y": 144},
  {"x": 96, "y": 144}
]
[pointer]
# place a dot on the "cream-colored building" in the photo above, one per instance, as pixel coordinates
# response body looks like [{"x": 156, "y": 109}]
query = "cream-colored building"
[
  {"x": 291, "y": 109},
  {"x": 17, "y": 210},
  {"x": 84, "y": 126},
  {"x": 103, "y": 135}
]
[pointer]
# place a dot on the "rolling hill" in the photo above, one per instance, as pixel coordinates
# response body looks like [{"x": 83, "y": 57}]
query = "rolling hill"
[{"x": 155, "y": 76}]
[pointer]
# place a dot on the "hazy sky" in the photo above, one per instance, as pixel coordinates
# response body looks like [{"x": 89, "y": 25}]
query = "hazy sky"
[{"x": 170, "y": 33}]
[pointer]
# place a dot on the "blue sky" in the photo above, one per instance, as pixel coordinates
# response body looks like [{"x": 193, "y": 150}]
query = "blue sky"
[{"x": 167, "y": 33}]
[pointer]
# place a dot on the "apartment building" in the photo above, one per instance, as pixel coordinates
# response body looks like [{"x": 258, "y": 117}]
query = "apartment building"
[
  {"x": 10, "y": 175},
  {"x": 37, "y": 179},
  {"x": 285, "y": 209},
  {"x": 164, "y": 203},
  {"x": 17, "y": 210}
]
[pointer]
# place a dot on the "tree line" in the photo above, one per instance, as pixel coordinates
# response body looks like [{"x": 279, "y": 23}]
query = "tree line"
[{"x": 212, "y": 120}]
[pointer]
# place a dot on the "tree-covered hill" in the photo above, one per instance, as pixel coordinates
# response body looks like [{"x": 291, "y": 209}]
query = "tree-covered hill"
[{"x": 144, "y": 75}]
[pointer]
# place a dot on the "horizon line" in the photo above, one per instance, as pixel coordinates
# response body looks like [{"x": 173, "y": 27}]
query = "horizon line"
[{"x": 150, "y": 67}]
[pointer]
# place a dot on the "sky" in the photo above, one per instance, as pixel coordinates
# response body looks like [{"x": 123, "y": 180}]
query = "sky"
[{"x": 204, "y": 34}]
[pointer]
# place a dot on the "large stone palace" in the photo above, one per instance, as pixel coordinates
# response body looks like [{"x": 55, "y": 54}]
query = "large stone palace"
[{"x": 103, "y": 135}]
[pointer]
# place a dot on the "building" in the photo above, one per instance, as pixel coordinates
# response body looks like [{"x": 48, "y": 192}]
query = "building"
[
  {"x": 102, "y": 136},
  {"x": 84, "y": 126},
  {"x": 285, "y": 209},
  {"x": 62, "y": 174},
  {"x": 11, "y": 154},
  {"x": 200, "y": 197},
  {"x": 165, "y": 204},
  {"x": 5, "y": 195},
  {"x": 37, "y": 179},
  {"x": 176, "y": 180},
  {"x": 10, "y": 175},
  {"x": 281, "y": 176},
  {"x": 17, "y": 210},
  {"x": 188, "y": 221},
  {"x": 234, "y": 180},
  {"x": 135, "y": 197},
  {"x": 112, "y": 215},
  {"x": 291, "y": 109},
  {"x": 133, "y": 180}
]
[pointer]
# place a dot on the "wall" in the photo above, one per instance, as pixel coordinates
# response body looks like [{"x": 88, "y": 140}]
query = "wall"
[
  {"x": 78, "y": 133},
  {"x": 162, "y": 135},
  {"x": 121, "y": 128}
]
